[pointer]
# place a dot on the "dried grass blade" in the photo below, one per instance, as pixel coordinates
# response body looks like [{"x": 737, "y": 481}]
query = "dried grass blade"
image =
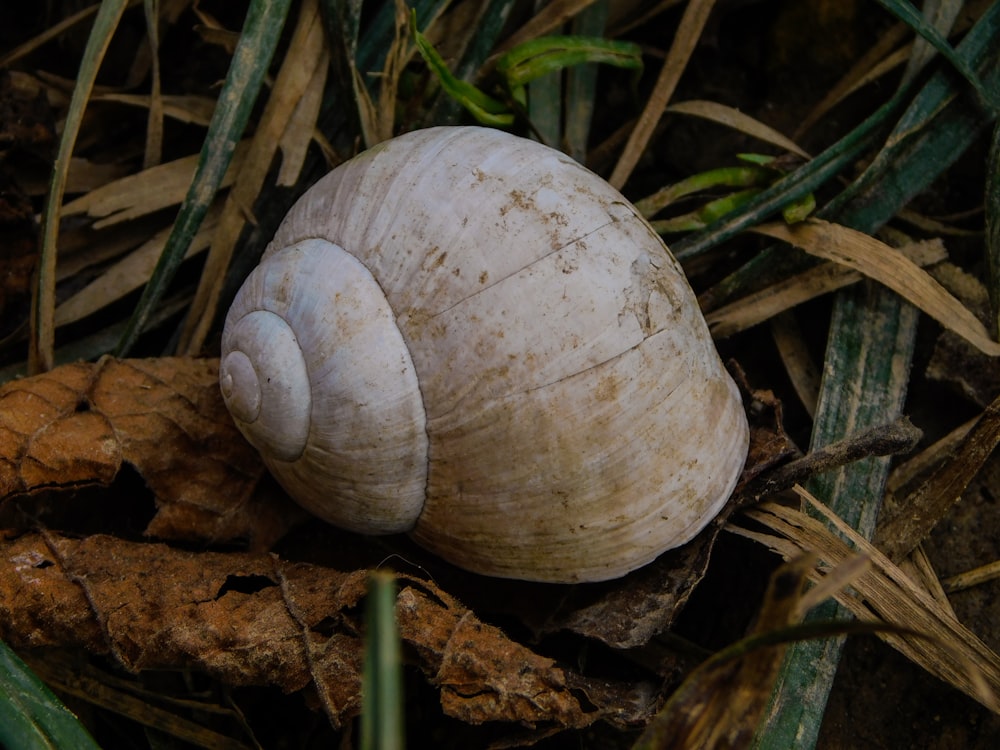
[
  {"x": 189, "y": 108},
  {"x": 733, "y": 118},
  {"x": 755, "y": 308},
  {"x": 945, "y": 648},
  {"x": 40, "y": 356},
  {"x": 129, "y": 273},
  {"x": 148, "y": 191},
  {"x": 889, "y": 267},
  {"x": 304, "y": 56},
  {"x": 688, "y": 32},
  {"x": 154, "y": 128},
  {"x": 51, "y": 33},
  {"x": 302, "y": 127},
  {"x": 261, "y": 31}
]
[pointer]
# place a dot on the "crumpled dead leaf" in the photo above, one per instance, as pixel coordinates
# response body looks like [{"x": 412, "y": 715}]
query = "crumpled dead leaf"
[
  {"x": 82, "y": 423},
  {"x": 252, "y": 619}
]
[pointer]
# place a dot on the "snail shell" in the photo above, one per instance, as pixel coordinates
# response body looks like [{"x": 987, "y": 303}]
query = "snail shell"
[{"x": 467, "y": 336}]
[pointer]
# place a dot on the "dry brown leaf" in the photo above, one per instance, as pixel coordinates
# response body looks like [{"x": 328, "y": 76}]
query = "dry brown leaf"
[
  {"x": 258, "y": 620},
  {"x": 889, "y": 267},
  {"x": 80, "y": 424}
]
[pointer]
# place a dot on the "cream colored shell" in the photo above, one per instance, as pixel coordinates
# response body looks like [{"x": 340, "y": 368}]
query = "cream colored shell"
[{"x": 467, "y": 336}]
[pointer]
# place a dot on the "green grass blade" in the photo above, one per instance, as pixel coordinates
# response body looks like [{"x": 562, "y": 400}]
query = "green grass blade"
[
  {"x": 540, "y": 57},
  {"x": 489, "y": 26},
  {"x": 795, "y": 185},
  {"x": 378, "y": 37},
  {"x": 871, "y": 342},
  {"x": 932, "y": 132},
  {"x": 31, "y": 717},
  {"x": 482, "y": 106},
  {"x": 261, "y": 31},
  {"x": 43, "y": 305},
  {"x": 382, "y": 724},
  {"x": 909, "y": 15},
  {"x": 544, "y": 105},
  {"x": 581, "y": 85}
]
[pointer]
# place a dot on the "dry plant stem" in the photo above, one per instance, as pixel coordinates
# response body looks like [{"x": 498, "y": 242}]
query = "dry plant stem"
[
  {"x": 899, "y": 436},
  {"x": 933, "y": 454},
  {"x": 974, "y": 577},
  {"x": 688, "y": 32},
  {"x": 904, "y": 524}
]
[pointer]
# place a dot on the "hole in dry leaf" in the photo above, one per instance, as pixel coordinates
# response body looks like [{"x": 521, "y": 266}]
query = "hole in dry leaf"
[
  {"x": 123, "y": 509},
  {"x": 586, "y": 705},
  {"x": 83, "y": 405},
  {"x": 327, "y": 626},
  {"x": 244, "y": 585}
]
